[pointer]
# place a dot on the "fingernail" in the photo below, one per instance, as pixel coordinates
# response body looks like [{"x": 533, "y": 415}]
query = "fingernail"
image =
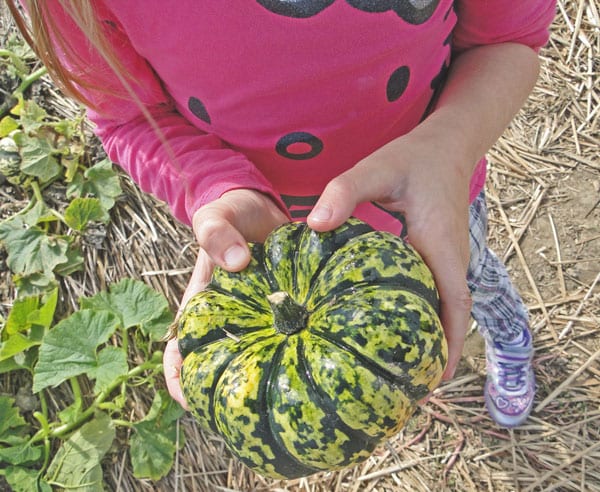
[
  {"x": 234, "y": 256},
  {"x": 322, "y": 213}
]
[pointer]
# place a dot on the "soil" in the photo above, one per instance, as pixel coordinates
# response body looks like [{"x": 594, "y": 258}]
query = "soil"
[{"x": 575, "y": 212}]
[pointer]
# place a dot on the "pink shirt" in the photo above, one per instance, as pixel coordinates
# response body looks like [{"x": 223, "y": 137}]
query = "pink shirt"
[{"x": 279, "y": 95}]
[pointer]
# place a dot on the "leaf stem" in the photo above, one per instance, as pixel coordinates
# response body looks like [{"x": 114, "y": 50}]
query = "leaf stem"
[
  {"x": 44, "y": 405},
  {"x": 122, "y": 423},
  {"x": 42, "y": 418},
  {"x": 76, "y": 388},
  {"x": 125, "y": 347},
  {"x": 28, "y": 80},
  {"x": 61, "y": 430},
  {"x": 37, "y": 192}
]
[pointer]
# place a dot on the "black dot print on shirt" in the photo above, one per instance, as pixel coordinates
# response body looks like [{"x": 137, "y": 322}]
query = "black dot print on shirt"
[
  {"x": 397, "y": 83},
  {"x": 284, "y": 146},
  {"x": 412, "y": 11},
  {"x": 300, "y": 9},
  {"x": 198, "y": 109}
]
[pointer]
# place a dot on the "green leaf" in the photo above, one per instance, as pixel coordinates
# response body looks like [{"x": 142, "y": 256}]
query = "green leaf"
[
  {"x": 18, "y": 108},
  {"x": 25, "y": 480},
  {"x": 7, "y": 125},
  {"x": 38, "y": 159},
  {"x": 34, "y": 283},
  {"x": 18, "y": 343},
  {"x": 100, "y": 181},
  {"x": 77, "y": 463},
  {"x": 10, "y": 418},
  {"x": 36, "y": 214},
  {"x": 8, "y": 365},
  {"x": 154, "y": 443},
  {"x": 74, "y": 262},
  {"x": 30, "y": 249},
  {"x": 20, "y": 454},
  {"x": 112, "y": 363},
  {"x": 15, "y": 448},
  {"x": 71, "y": 163},
  {"x": 158, "y": 327},
  {"x": 136, "y": 304},
  {"x": 70, "y": 414},
  {"x": 82, "y": 211},
  {"x": 32, "y": 310},
  {"x": 69, "y": 349},
  {"x": 27, "y": 322},
  {"x": 23, "y": 360},
  {"x": 67, "y": 127},
  {"x": 17, "y": 317},
  {"x": 32, "y": 116}
]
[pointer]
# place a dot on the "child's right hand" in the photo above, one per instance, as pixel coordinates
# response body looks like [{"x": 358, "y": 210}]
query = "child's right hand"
[{"x": 223, "y": 229}]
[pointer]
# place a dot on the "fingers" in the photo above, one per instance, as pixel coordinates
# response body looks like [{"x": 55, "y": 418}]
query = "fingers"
[
  {"x": 345, "y": 192},
  {"x": 172, "y": 359},
  {"x": 172, "y": 362},
  {"x": 223, "y": 243},
  {"x": 224, "y": 227},
  {"x": 199, "y": 279},
  {"x": 446, "y": 253},
  {"x": 455, "y": 315}
]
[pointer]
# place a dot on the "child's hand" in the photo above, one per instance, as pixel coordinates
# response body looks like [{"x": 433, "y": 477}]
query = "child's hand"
[
  {"x": 416, "y": 175},
  {"x": 223, "y": 228}
]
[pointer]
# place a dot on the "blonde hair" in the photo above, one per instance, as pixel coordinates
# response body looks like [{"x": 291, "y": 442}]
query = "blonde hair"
[
  {"x": 41, "y": 33},
  {"x": 46, "y": 39}
]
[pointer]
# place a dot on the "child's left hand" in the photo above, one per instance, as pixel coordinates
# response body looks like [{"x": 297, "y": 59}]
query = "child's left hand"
[
  {"x": 234, "y": 219},
  {"x": 424, "y": 178},
  {"x": 172, "y": 360}
]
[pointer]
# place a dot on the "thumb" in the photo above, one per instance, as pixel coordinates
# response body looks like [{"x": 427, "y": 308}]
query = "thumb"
[
  {"x": 343, "y": 193},
  {"x": 172, "y": 363},
  {"x": 201, "y": 275}
]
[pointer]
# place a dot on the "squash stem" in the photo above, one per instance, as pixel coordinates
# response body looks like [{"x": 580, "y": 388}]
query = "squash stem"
[{"x": 289, "y": 317}]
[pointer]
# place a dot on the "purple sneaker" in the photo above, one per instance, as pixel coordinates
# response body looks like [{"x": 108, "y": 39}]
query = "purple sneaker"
[{"x": 510, "y": 385}]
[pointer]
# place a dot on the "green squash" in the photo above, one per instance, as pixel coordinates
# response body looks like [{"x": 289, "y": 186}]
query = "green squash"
[
  {"x": 10, "y": 162},
  {"x": 317, "y": 352}
]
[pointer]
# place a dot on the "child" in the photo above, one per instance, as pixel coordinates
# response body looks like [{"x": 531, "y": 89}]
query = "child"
[{"x": 245, "y": 114}]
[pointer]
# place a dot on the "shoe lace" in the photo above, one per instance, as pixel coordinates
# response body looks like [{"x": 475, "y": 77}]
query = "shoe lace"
[
  {"x": 512, "y": 375},
  {"x": 511, "y": 366}
]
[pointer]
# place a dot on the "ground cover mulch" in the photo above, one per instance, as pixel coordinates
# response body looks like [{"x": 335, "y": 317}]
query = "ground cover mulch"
[{"x": 544, "y": 199}]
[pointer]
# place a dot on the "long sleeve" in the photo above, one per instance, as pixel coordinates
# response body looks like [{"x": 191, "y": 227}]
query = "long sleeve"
[
  {"x": 167, "y": 156},
  {"x": 246, "y": 95},
  {"x": 495, "y": 21}
]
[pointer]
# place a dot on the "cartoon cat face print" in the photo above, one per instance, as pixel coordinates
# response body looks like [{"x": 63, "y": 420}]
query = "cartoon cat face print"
[{"x": 412, "y": 11}]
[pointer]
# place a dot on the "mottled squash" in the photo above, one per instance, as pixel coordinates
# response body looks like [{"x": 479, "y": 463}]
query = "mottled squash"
[
  {"x": 317, "y": 352},
  {"x": 10, "y": 162}
]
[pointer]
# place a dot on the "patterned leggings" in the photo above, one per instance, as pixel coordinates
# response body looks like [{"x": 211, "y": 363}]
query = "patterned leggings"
[{"x": 497, "y": 306}]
